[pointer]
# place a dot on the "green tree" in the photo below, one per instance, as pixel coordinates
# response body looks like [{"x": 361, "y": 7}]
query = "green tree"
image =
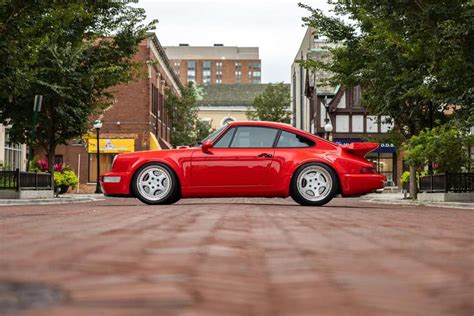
[
  {"x": 183, "y": 113},
  {"x": 203, "y": 129},
  {"x": 413, "y": 59},
  {"x": 443, "y": 146},
  {"x": 272, "y": 105},
  {"x": 75, "y": 52}
]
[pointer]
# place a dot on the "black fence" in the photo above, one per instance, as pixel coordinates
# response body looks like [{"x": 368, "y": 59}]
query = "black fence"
[
  {"x": 447, "y": 182},
  {"x": 19, "y": 180}
]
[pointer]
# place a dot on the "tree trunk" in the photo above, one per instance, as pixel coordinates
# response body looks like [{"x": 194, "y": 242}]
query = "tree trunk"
[
  {"x": 413, "y": 186},
  {"x": 51, "y": 150}
]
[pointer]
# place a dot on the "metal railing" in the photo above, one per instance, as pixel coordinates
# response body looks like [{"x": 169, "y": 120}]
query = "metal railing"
[
  {"x": 447, "y": 182},
  {"x": 20, "y": 180}
]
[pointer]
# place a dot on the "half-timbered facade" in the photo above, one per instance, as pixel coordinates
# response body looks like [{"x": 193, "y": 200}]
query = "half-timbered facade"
[{"x": 353, "y": 123}]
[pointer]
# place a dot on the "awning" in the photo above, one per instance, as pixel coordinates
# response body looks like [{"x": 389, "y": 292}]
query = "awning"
[{"x": 154, "y": 144}]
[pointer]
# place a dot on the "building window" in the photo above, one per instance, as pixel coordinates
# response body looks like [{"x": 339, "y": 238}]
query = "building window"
[
  {"x": 342, "y": 123},
  {"x": 176, "y": 67},
  {"x": 372, "y": 126},
  {"x": 219, "y": 72},
  {"x": 191, "y": 71},
  {"x": 383, "y": 162},
  {"x": 357, "y": 123},
  {"x": 13, "y": 154},
  {"x": 255, "y": 73},
  {"x": 386, "y": 124},
  {"x": 238, "y": 72},
  {"x": 206, "y": 72},
  {"x": 227, "y": 120}
]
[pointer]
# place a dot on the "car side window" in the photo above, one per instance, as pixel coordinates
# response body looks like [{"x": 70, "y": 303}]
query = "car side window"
[
  {"x": 254, "y": 137},
  {"x": 225, "y": 140},
  {"x": 291, "y": 140}
]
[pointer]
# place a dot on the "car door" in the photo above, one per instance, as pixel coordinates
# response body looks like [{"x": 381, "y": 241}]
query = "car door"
[{"x": 238, "y": 161}]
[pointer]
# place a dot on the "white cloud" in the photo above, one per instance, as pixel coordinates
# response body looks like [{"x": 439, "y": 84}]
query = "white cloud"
[{"x": 274, "y": 26}]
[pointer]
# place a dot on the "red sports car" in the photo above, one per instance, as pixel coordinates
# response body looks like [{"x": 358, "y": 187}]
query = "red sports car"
[{"x": 247, "y": 159}]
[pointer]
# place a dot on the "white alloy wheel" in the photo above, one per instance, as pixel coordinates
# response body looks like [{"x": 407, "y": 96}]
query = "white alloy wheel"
[
  {"x": 314, "y": 183},
  {"x": 154, "y": 183}
]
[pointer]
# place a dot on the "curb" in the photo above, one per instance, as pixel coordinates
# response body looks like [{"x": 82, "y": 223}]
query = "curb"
[
  {"x": 61, "y": 200},
  {"x": 466, "y": 206}
]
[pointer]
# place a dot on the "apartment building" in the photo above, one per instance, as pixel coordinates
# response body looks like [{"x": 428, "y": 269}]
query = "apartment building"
[{"x": 216, "y": 64}]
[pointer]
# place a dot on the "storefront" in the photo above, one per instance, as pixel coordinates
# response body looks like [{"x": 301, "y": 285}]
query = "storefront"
[
  {"x": 109, "y": 147},
  {"x": 384, "y": 158}
]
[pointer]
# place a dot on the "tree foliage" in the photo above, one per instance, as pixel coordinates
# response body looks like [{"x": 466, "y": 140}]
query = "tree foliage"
[
  {"x": 272, "y": 105},
  {"x": 405, "y": 54},
  {"x": 183, "y": 112},
  {"x": 69, "y": 52},
  {"x": 443, "y": 146}
]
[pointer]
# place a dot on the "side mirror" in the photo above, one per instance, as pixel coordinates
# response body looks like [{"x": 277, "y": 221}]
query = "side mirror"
[{"x": 206, "y": 145}]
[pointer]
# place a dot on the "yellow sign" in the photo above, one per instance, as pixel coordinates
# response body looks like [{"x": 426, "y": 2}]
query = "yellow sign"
[{"x": 111, "y": 145}]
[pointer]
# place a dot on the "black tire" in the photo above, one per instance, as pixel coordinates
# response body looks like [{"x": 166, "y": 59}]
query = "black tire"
[
  {"x": 301, "y": 194},
  {"x": 169, "y": 196}
]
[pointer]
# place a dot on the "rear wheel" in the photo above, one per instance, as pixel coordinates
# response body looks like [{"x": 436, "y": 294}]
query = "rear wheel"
[
  {"x": 156, "y": 183},
  {"x": 314, "y": 184}
]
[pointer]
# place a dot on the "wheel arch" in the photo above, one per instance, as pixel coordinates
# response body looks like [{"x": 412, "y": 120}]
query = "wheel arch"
[
  {"x": 143, "y": 163},
  {"x": 323, "y": 162}
]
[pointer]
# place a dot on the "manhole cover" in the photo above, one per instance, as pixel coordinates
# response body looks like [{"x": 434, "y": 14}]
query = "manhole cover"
[{"x": 17, "y": 295}]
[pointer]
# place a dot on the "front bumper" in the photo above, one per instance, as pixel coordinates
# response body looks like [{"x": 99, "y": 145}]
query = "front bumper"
[
  {"x": 358, "y": 184},
  {"x": 116, "y": 183}
]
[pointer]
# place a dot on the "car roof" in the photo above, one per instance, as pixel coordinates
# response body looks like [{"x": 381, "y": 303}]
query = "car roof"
[
  {"x": 284, "y": 126},
  {"x": 263, "y": 124}
]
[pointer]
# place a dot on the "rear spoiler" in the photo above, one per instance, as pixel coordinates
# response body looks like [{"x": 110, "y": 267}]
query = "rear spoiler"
[{"x": 360, "y": 149}]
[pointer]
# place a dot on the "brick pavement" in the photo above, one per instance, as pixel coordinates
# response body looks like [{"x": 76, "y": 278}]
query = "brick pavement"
[{"x": 242, "y": 257}]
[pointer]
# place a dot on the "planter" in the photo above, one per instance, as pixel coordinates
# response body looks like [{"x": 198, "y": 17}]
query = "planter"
[{"x": 61, "y": 189}]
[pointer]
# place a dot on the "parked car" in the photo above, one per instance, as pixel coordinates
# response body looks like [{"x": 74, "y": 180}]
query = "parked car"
[{"x": 247, "y": 159}]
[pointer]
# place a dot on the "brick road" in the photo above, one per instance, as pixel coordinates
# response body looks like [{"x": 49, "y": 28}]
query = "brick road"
[{"x": 240, "y": 257}]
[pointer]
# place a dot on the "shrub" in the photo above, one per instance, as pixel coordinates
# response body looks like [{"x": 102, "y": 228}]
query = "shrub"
[{"x": 67, "y": 177}]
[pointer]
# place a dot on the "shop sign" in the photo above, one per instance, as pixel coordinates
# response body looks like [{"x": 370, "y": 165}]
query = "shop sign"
[{"x": 111, "y": 145}]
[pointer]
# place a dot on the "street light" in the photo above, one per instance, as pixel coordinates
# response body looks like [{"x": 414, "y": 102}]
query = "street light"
[
  {"x": 98, "y": 126},
  {"x": 36, "y": 110},
  {"x": 328, "y": 128}
]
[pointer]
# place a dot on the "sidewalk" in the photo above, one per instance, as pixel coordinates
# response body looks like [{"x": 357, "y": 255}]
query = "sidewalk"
[
  {"x": 62, "y": 199},
  {"x": 397, "y": 198}
]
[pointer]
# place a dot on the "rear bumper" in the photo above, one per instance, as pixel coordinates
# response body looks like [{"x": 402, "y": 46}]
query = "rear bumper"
[
  {"x": 358, "y": 184},
  {"x": 116, "y": 188}
]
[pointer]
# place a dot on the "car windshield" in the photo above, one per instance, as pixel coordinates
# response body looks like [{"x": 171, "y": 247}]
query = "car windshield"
[{"x": 213, "y": 135}]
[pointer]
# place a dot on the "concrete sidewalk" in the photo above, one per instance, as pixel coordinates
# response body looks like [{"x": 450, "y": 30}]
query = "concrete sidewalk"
[
  {"x": 61, "y": 199},
  {"x": 398, "y": 198}
]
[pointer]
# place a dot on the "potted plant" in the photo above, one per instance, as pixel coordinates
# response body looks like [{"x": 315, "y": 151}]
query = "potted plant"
[
  {"x": 63, "y": 176},
  {"x": 65, "y": 179}
]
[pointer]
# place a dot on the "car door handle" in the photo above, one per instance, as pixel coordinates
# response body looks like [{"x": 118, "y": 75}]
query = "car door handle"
[{"x": 265, "y": 155}]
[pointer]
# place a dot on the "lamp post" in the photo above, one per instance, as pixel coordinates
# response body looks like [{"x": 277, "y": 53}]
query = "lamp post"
[
  {"x": 98, "y": 126},
  {"x": 36, "y": 110},
  {"x": 328, "y": 127}
]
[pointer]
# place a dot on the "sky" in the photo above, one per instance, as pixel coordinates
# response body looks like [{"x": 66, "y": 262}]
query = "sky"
[{"x": 274, "y": 26}]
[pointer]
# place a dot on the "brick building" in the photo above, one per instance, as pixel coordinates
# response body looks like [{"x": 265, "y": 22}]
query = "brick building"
[
  {"x": 216, "y": 64},
  {"x": 137, "y": 120}
]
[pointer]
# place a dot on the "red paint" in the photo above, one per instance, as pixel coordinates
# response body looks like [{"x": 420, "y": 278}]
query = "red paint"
[{"x": 230, "y": 172}]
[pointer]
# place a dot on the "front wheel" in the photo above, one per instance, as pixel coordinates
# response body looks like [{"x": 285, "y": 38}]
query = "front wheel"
[
  {"x": 314, "y": 184},
  {"x": 156, "y": 184}
]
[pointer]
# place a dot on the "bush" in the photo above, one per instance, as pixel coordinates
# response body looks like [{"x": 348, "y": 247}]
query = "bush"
[
  {"x": 444, "y": 147},
  {"x": 67, "y": 177}
]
